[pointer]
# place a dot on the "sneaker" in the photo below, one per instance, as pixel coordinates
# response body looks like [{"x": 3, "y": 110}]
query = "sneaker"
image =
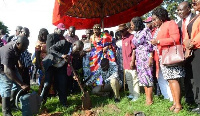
[
  {"x": 134, "y": 99},
  {"x": 117, "y": 100},
  {"x": 130, "y": 97}
]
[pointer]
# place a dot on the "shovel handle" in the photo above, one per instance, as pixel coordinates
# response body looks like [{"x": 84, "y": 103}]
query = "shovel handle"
[{"x": 77, "y": 76}]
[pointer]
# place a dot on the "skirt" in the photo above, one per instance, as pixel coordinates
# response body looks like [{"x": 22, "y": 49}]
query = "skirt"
[{"x": 171, "y": 72}]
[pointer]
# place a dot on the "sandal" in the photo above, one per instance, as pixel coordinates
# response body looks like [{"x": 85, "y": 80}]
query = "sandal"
[
  {"x": 149, "y": 103},
  {"x": 176, "y": 110},
  {"x": 172, "y": 108}
]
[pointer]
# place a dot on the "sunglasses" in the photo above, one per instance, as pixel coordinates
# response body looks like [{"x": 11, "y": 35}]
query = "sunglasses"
[{"x": 195, "y": 3}]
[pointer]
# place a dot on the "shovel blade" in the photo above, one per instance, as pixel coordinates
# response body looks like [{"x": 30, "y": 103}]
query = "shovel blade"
[{"x": 86, "y": 101}]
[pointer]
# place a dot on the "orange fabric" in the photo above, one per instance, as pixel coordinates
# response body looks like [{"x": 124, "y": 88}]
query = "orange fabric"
[
  {"x": 168, "y": 33},
  {"x": 195, "y": 35}
]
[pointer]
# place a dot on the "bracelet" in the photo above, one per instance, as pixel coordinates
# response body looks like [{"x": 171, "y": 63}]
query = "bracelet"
[{"x": 158, "y": 42}]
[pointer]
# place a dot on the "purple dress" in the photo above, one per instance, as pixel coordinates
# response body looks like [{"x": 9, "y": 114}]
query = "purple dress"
[{"x": 143, "y": 49}]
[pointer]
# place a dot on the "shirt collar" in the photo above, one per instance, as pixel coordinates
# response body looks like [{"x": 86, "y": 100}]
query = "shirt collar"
[{"x": 126, "y": 36}]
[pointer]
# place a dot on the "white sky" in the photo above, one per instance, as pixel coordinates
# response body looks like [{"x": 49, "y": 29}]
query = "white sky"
[{"x": 33, "y": 14}]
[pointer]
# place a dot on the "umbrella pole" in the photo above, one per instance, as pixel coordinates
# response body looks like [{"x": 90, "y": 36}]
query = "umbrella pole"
[
  {"x": 102, "y": 23},
  {"x": 102, "y": 15}
]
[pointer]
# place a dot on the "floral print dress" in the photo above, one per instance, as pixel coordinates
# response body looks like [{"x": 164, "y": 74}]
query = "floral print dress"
[{"x": 143, "y": 49}]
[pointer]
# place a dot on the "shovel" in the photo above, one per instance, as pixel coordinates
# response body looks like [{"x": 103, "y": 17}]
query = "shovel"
[{"x": 86, "y": 101}]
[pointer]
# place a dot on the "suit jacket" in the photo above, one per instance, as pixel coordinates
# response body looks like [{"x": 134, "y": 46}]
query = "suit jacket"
[
  {"x": 180, "y": 26},
  {"x": 53, "y": 39},
  {"x": 55, "y": 52},
  {"x": 168, "y": 33}
]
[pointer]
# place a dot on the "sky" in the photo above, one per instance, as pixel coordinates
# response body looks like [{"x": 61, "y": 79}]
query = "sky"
[{"x": 33, "y": 14}]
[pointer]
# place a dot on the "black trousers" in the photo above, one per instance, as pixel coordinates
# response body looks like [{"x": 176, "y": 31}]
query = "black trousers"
[
  {"x": 188, "y": 81},
  {"x": 196, "y": 75},
  {"x": 60, "y": 81},
  {"x": 25, "y": 75}
]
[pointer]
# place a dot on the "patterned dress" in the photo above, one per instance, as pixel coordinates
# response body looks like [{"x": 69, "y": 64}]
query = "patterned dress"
[
  {"x": 143, "y": 49},
  {"x": 86, "y": 62},
  {"x": 96, "y": 54}
]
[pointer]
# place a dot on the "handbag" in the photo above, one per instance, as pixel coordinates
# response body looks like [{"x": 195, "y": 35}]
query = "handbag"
[{"x": 173, "y": 56}]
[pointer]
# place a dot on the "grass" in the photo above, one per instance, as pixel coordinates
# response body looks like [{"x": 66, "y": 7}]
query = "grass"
[{"x": 104, "y": 106}]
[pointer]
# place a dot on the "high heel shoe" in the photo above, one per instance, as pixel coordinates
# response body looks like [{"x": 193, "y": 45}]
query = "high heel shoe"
[
  {"x": 172, "y": 108},
  {"x": 177, "y": 110}
]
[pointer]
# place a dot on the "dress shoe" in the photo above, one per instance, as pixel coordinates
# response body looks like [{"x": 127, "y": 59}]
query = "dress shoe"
[
  {"x": 196, "y": 109},
  {"x": 130, "y": 97},
  {"x": 117, "y": 100}
]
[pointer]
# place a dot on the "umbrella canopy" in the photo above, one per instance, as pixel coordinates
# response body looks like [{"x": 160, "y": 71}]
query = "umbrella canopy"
[{"x": 83, "y": 14}]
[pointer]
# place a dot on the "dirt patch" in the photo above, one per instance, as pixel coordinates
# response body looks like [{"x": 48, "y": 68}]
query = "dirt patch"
[
  {"x": 53, "y": 114},
  {"x": 97, "y": 111},
  {"x": 127, "y": 114},
  {"x": 112, "y": 108}
]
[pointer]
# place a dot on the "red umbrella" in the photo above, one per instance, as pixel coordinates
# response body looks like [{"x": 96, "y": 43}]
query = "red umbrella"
[{"x": 83, "y": 14}]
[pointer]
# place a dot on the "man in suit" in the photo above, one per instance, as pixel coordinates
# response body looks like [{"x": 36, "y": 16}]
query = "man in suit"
[
  {"x": 184, "y": 12},
  {"x": 56, "y": 36},
  {"x": 58, "y": 51}
]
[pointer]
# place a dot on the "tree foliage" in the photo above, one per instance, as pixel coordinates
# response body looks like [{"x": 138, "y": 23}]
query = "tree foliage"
[
  {"x": 4, "y": 27},
  {"x": 171, "y": 6}
]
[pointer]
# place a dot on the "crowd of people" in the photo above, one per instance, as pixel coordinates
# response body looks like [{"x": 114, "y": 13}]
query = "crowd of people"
[{"x": 107, "y": 62}]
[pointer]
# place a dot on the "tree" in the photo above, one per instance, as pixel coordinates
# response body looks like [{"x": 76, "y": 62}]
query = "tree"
[
  {"x": 171, "y": 6},
  {"x": 2, "y": 26}
]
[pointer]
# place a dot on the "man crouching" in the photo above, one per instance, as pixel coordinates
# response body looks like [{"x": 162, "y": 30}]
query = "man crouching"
[{"x": 109, "y": 73}]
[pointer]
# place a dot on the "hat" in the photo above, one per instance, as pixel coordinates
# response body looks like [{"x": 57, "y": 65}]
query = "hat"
[
  {"x": 122, "y": 27},
  {"x": 148, "y": 20},
  {"x": 84, "y": 36},
  {"x": 61, "y": 26},
  {"x": 97, "y": 26}
]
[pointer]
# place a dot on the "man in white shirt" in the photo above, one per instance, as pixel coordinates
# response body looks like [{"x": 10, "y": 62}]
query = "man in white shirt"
[{"x": 184, "y": 12}]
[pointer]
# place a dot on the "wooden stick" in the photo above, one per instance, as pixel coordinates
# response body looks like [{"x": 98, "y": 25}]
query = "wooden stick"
[{"x": 77, "y": 77}]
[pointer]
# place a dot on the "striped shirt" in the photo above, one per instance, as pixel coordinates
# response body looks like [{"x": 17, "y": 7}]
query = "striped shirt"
[{"x": 25, "y": 59}]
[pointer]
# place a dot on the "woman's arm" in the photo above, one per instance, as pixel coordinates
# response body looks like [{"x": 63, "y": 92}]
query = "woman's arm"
[{"x": 173, "y": 35}]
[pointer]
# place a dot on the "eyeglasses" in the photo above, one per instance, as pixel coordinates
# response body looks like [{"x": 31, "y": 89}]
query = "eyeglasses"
[{"x": 195, "y": 3}]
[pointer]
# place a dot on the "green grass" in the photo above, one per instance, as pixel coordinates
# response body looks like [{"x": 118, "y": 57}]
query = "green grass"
[{"x": 104, "y": 106}]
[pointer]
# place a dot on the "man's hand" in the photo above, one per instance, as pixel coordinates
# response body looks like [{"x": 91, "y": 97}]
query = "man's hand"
[
  {"x": 75, "y": 77},
  {"x": 154, "y": 41},
  {"x": 65, "y": 56},
  {"x": 132, "y": 65},
  {"x": 25, "y": 87},
  {"x": 191, "y": 46},
  {"x": 105, "y": 49},
  {"x": 150, "y": 61},
  {"x": 103, "y": 84},
  {"x": 188, "y": 53}
]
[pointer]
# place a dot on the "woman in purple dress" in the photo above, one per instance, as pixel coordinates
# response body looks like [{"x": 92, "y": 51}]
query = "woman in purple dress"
[{"x": 144, "y": 57}]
